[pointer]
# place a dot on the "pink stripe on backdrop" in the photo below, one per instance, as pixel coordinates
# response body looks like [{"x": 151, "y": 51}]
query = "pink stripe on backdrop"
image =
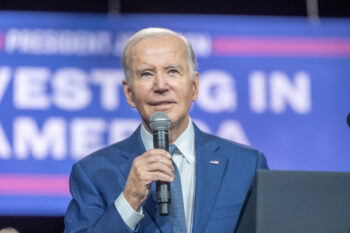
[
  {"x": 30, "y": 184},
  {"x": 1, "y": 41},
  {"x": 273, "y": 46}
]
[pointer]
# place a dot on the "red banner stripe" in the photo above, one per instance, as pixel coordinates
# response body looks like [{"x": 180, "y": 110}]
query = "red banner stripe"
[
  {"x": 2, "y": 41},
  {"x": 231, "y": 46},
  {"x": 32, "y": 184}
]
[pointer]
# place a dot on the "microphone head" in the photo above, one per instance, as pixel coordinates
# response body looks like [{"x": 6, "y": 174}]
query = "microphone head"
[{"x": 159, "y": 121}]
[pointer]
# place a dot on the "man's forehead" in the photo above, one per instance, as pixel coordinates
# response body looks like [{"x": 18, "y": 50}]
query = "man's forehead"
[
  {"x": 146, "y": 66},
  {"x": 153, "y": 42},
  {"x": 162, "y": 52}
]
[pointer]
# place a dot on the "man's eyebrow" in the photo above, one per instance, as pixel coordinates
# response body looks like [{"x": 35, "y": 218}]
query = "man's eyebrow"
[
  {"x": 174, "y": 67},
  {"x": 141, "y": 70}
]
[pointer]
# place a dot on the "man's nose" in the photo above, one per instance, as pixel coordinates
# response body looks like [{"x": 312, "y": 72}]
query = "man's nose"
[{"x": 160, "y": 83}]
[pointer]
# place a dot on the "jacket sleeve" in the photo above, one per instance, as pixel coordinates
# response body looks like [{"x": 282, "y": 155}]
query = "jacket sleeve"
[
  {"x": 262, "y": 162},
  {"x": 88, "y": 212}
]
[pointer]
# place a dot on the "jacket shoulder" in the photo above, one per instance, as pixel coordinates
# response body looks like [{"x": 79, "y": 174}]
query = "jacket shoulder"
[
  {"x": 222, "y": 142},
  {"x": 232, "y": 150},
  {"x": 116, "y": 153}
]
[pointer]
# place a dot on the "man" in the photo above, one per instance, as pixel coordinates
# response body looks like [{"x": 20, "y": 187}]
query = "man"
[{"x": 113, "y": 189}]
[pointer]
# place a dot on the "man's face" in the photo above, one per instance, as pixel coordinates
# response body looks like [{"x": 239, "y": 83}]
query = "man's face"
[{"x": 161, "y": 80}]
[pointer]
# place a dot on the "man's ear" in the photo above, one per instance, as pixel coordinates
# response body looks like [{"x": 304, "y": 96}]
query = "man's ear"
[
  {"x": 128, "y": 94},
  {"x": 195, "y": 86}
]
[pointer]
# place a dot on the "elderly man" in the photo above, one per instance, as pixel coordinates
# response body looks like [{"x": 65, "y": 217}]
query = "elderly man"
[{"x": 113, "y": 189}]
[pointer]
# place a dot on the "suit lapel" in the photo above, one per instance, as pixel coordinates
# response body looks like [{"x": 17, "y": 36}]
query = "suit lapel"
[
  {"x": 208, "y": 178},
  {"x": 151, "y": 206},
  {"x": 130, "y": 149},
  {"x": 133, "y": 147}
]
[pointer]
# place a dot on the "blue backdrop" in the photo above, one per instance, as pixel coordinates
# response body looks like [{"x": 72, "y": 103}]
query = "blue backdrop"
[{"x": 278, "y": 84}]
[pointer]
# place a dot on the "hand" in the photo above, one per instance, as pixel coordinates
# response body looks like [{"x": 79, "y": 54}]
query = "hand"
[{"x": 153, "y": 165}]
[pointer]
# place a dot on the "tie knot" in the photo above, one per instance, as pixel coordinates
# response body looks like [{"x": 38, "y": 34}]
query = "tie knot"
[{"x": 172, "y": 149}]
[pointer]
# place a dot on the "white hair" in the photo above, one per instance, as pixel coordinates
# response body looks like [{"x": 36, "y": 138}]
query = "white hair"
[
  {"x": 9, "y": 230},
  {"x": 155, "y": 33}
]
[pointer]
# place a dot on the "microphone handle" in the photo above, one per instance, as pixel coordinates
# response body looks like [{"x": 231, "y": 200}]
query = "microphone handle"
[{"x": 161, "y": 141}]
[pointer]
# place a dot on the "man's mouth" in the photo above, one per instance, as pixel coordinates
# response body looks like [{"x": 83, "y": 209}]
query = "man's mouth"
[{"x": 162, "y": 103}]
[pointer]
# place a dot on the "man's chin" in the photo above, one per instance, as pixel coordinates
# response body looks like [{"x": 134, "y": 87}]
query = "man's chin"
[{"x": 167, "y": 108}]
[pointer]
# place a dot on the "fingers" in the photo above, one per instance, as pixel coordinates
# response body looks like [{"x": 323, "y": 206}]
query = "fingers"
[
  {"x": 153, "y": 152},
  {"x": 153, "y": 165},
  {"x": 161, "y": 172}
]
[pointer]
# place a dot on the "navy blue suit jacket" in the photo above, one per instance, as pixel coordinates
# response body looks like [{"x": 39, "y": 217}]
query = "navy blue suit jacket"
[{"x": 98, "y": 179}]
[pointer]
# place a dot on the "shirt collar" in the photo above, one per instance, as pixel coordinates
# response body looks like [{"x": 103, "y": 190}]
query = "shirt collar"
[{"x": 184, "y": 143}]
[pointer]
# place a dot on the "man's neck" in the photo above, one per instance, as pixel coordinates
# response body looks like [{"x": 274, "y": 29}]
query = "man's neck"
[{"x": 175, "y": 129}]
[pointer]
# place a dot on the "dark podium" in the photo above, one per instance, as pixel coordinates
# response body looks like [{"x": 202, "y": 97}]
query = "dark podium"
[{"x": 297, "y": 202}]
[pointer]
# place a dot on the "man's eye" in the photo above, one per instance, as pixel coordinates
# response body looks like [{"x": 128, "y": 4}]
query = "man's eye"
[
  {"x": 146, "y": 74},
  {"x": 173, "y": 71}
]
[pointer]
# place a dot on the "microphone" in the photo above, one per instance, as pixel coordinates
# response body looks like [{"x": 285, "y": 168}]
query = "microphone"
[
  {"x": 348, "y": 119},
  {"x": 160, "y": 125}
]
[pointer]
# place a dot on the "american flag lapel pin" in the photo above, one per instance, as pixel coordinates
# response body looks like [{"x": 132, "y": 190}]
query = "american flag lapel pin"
[{"x": 215, "y": 162}]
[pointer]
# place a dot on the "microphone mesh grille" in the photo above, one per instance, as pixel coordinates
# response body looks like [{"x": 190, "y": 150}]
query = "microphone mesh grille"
[{"x": 160, "y": 121}]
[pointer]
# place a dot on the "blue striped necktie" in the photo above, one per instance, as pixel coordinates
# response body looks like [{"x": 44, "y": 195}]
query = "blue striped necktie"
[{"x": 177, "y": 213}]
